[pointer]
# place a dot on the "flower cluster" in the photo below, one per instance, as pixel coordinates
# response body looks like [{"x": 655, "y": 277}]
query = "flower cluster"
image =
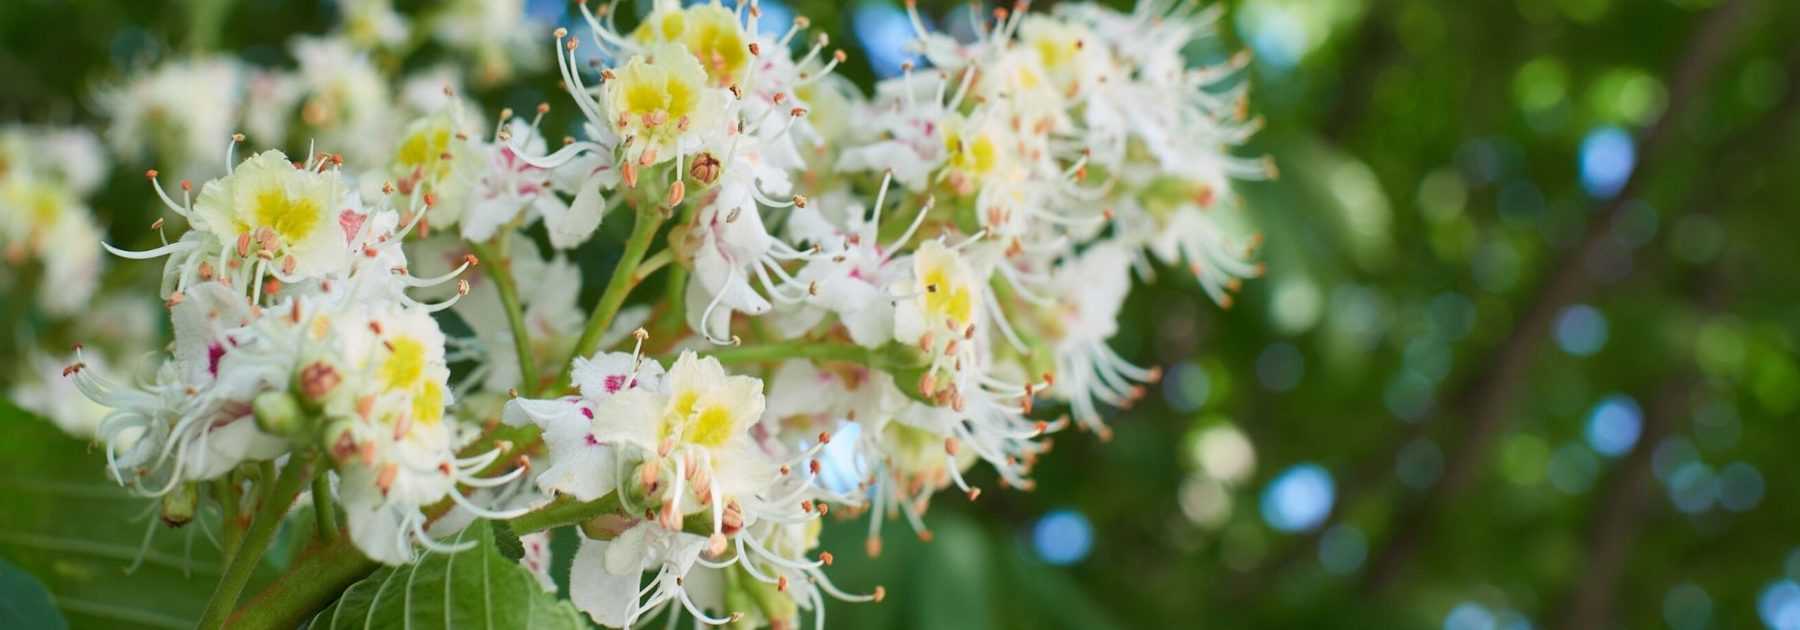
[
  {"x": 1036, "y": 167},
  {"x": 294, "y": 330},
  {"x": 928, "y": 289}
]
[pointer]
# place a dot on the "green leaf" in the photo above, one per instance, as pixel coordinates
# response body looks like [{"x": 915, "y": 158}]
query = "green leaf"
[
  {"x": 25, "y": 603},
  {"x": 64, "y": 522},
  {"x": 476, "y": 588}
]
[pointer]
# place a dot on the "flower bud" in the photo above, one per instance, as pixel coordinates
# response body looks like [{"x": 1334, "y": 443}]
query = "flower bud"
[
  {"x": 180, "y": 504},
  {"x": 340, "y": 441},
  {"x": 278, "y": 413},
  {"x": 315, "y": 382},
  {"x": 705, "y": 168}
]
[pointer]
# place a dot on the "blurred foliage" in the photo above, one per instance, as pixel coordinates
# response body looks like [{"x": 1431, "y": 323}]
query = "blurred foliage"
[{"x": 1431, "y": 155}]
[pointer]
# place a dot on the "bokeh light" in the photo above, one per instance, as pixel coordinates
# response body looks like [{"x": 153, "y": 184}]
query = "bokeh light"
[
  {"x": 1063, "y": 537},
  {"x": 885, "y": 33},
  {"x": 1607, "y": 156},
  {"x": 1299, "y": 498},
  {"x": 1740, "y": 487},
  {"x": 1779, "y": 605},
  {"x": 841, "y": 467},
  {"x": 1470, "y": 616},
  {"x": 1187, "y": 387},
  {"x": 1614, "y": 424},
  {"x": 1342, "y": 549},
  {"x": 1687, "y": 607},
  {"x": 1572, "y": 468},
  {"x": 1225, "y": 454},
  {"x": 1581, "y": 330},
  {"x": 1693, "y": 487},
  {"x": 1205, "y": 501}
]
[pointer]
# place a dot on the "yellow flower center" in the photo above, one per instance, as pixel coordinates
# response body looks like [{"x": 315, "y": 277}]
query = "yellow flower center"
[
  {"x": 293, "y": 218},
  {"x": 428, "y": 404},
  {"x": 46, "y": 206},
  {"x": 947, "y": 298},
  {"x": 405, "y": 364},
  {"x": 710, "y": 32},
  {"x": 1054, "y": 52},
  {"x": 711, "y": 426},
  {"x": 691, "y": 422},
  {"x": 976, "y": 155},
  {"x": 424, "y": 151}
]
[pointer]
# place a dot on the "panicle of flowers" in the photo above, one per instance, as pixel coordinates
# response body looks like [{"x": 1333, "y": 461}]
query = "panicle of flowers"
[
  {"x": 1036, "y": 166},
  {"x": 294, "y": 331},
  {"x": 919, "y": 273}
]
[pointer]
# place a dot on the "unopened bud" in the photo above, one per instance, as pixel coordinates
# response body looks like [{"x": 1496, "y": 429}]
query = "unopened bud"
[
  {"x": 705, "y": 168},
  {"x": 180, "y": 504},
  {"x": 278, "y": 413},
  {"x": 316, "y": 381}
]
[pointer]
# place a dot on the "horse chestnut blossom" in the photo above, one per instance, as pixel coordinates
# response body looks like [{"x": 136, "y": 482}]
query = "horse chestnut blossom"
[
  {"x": 925, "y": 280},
  {"x": 323, "y": 350},
  {"x": 45, "y": 173}
]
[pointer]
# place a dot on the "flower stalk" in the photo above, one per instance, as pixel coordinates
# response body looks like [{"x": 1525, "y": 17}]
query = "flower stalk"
[
  {"x": 316, "y": 578},
  {"x": 643, "y": 233},
  {"x": 500, "y": 271},
  {"x": 324, "y": 508},
  {"x": 276, "y": 501},
  {"x": 565, "y": 511}
]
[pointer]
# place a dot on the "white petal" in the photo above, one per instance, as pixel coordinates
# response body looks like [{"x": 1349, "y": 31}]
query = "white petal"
[
  {"x": 569, "y": 229},
  {"x": 609, "y": 598}
]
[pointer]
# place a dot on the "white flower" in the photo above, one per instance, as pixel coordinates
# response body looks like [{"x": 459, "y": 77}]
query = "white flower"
[
  {"x": 607, "y": 576},
  {"x": 345, "y": 102},
  {"x": 495, "y": 32},
  {"x": 1090, "y": 289},
  {"x": 292, "y": 213},
  {"x": 41, "y": 221},
  {"x": 372, "y": 23},
  {"x": 182, "y": 111},
  {"x": 850, "y": 272},
  {"x": 71, "y": 157},
  {"x": 435, "y": 156},
  {"x": 513, "y": 182},
  {"x": 579, "y": 464},
  {"x": 661, "y": 102}
]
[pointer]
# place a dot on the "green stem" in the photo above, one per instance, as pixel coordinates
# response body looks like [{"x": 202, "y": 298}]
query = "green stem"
[
  {"x": 315, "y": 578},
  {"x": 324, "y": 509},
  {"x": 228, "y": 490},
  {"x": 798, "y": 349},
  {"x": 564, "y": 511},
  {"x": 499, "y": 268},
  {"x": 206, "y": 20},
  {"x": 276, "y": 501},
  {"x": 649, "y": 218}
]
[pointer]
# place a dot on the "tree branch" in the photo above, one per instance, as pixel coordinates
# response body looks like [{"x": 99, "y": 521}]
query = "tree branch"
[{"x": 1486, "y": 401}]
